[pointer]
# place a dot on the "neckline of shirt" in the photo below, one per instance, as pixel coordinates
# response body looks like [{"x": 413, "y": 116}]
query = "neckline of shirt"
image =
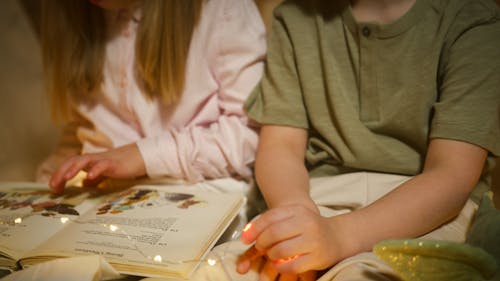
[{"x": 402, "y": 24}]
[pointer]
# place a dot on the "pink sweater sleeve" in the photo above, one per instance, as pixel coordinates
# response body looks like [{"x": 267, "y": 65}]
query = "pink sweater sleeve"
[{"x": 224, "y": 147}]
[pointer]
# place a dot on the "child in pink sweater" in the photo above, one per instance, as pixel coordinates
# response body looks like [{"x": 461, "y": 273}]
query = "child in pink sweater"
[{"x": 151, "y": 88}]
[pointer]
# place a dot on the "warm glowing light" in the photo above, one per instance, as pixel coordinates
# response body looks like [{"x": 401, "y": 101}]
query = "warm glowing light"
[
  {"x": 247, "y": 227},
  {"x": 157, "y": 258},
  {"x": 211, "y": 262},
  {"x": 64, "y": 219},
  {"x": 18, "y": 220},
  {"x": 279, "y": 261},
  {"x": 113, "y": 227}
]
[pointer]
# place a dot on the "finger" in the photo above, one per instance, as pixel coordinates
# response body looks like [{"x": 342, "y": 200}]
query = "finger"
[
  {"x": 245, "y": 260},
  {"x": 296, "y": 264},
  {"x": 98, "y": 169},
  {"x": 264, "y": 221},
  {"x": 287, "y": 259},
  {"x": 92, "y": 182},
  {"x": 268, "y": 272},
  {"x": 81, "y": 163},
  {"x": 57, "y": 180},
  {"x": 56, "y": 183},
  {"x": 288, "y": 277},
  {"x": 250, "y": 254},
  {"x": 308, "y": 276},
  {"x": 278, "y": 232},
  {"x": 290, "y": 247}
]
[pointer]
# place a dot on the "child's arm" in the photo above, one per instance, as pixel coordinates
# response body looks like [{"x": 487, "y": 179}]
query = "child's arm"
[
  {"x": 452, "y": 169},
  {"x": 122, "y": 163},
  {"x": 279, "y": 166}
]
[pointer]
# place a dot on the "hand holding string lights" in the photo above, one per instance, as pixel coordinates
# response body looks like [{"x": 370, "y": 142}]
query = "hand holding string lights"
[
  {"x": 251, "y": 255},
  {"x": 251, "y": 234}
]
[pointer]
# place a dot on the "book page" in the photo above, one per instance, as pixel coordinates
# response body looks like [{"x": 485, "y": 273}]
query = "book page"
[
  {"x": 149, "y": 230},
  {"x": 30, "y": 213}
]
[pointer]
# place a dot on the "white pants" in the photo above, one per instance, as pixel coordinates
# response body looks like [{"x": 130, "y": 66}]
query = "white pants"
[{"x": 336, "y": 195}]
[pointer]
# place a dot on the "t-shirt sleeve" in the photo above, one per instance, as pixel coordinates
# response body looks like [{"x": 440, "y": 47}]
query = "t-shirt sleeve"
[
  {"x": 468, "y": 108},
  {"x": 277, "y": 99}
]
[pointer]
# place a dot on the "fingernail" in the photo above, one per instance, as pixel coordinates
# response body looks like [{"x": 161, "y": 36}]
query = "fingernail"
[
  {"x": 244, "y": 235},
  {"x": 247, "y": 227}
]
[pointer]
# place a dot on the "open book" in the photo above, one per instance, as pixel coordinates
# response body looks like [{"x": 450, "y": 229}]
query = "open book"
[{"x": 145, "y": 230}]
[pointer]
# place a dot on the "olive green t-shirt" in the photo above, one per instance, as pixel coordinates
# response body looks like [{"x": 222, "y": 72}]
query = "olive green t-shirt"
[{"x": 372, "y": 95}]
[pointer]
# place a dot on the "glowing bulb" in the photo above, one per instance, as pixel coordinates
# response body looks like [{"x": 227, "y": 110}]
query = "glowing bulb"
[
  {"x": 211, "y": 262},
  {"x": 280, "y": 261},
  {"x": 64, "y": 219},
  {"x": 157, "y": 258},
  {"x": 235, "y": 235},
  {"x": 113, "y": 227},
  {"x": 18, "y": 220}
]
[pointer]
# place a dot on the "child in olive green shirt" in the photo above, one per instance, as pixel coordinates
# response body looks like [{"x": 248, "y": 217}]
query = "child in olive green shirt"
[{"x": 394, "y": 107}]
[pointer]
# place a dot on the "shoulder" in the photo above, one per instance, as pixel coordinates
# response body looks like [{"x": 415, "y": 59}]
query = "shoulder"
[
  {"x": 290, "y": 10},
  {"x": 477, "y": 20},
  {"x": 223, "y": 18},
  {"x": 227, "y": 10},
  {"x": 467, "y": 11},
  {"x": 229, "y": 27},
  {"x": 488, "y": 6},
  {"x": 299, "y": 16}
]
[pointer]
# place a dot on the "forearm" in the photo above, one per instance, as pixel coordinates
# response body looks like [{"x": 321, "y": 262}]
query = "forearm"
[
  {"x": 222, "y": 149},
  {"x": 413, "y": 209},
  {"x": 282, "y": 179},
  {"x": 419, "y": 205},
  {"x": 280, "y": 170}
]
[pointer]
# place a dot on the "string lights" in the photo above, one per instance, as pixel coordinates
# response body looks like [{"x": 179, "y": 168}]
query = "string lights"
[
  {"x": 155, "y": 258},
  {"x": 58, "y": 211}
]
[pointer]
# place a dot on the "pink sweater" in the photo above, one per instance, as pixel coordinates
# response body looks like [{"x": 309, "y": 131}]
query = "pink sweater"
[{"x": 205, "y": 135}]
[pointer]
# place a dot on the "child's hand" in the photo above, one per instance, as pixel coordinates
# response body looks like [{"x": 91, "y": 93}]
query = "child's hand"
[
  {"x": 121, "y": 163},
  {"x": 267, "y": 271},
  {"x": 295, "y": 238}
]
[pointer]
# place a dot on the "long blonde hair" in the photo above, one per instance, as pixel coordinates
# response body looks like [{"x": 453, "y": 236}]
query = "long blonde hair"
[{"x": 73, "y": 41}]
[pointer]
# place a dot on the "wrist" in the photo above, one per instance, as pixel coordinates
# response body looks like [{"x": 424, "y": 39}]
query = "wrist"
[
  {"x": 349, "y": 237},
  {"x": 305, "y": 202}
]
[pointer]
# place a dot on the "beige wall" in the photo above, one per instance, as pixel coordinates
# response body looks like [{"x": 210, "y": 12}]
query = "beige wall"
[{"x": 27, "y": 135}]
